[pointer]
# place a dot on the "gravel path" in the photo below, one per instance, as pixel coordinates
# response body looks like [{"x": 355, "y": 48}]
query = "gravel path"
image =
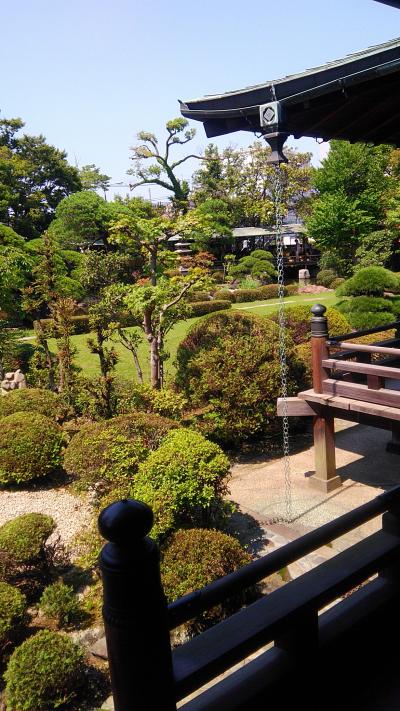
[{"x": 70, "y": 513}]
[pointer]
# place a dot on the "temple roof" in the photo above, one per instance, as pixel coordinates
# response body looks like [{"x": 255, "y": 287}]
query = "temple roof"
[{"x": 356, "y": 98}]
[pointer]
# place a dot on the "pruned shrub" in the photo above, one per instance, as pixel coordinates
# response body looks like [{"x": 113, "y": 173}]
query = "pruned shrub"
[
  {"x": 24, "y": 557},
  {"x": 59, "y": 602},
  {"x": 31, "y": 446},
  {"x": 244, "y": 295},
  {"x": 44, "y": 672},
  {"x": 194, "y": 296},
  {"x": 337, "y": 282},
  {"x": 326, "y": 277},
  {"x": 361, "y": 320},
  {"x": 298, "y": 322},
  {"x": 107, "y": 453},
  {"x": 38, "y": 400},
  {"x": 136, "y": 396},
  {"x": 270, "y": 291},
  {"x": 229, "y": 370},
  {"x": 370, "y": 281},
  {"x": 291, "y": 289},
  {"x": 183, "y": 480},
  {"x": 225, "y": 296},
  {"x": 12, "y": 612},
  {"x": 193, "y": 558},
  {"x": 200, "y": 308}
]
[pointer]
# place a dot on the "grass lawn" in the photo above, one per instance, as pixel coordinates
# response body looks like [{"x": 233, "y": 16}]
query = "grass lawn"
[{"x": 125, "y": 367}]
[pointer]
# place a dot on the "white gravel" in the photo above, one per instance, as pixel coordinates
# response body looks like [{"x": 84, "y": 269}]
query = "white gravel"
[{"x": 71, "y": 513}]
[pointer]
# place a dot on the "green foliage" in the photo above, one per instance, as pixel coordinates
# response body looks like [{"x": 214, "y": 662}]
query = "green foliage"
[
  {"x": 325, "y": 277},
  {"x": 225, "y": 295},
  {"x": 352, "y": 183},
  {"x": 34, "y": 177},
  {"x": 101, "y": 269},
  {"x": 30, "y": 446},
  {"x": 12, "y": 611},
  {"x": 375, "y": 249},
  {"x": 367, "y": 311},
  {"x": 270, "y": 291},
  {"x": 228, "y": 368},
  {"x": 82, "y": 219},
  {"x": 245, "y": 295},
  {"x": 298, "y": 322},
  {"x": 334, "y": 259},
  {"x": 37, "y": 400},
  {"x": 258, "y": 264},
  {"x": 183, "y": 480},
  {"x": 23, "y": 538},
  {"x": 193, "y": 558},
  {"x": 92, "y": 179},
  {"x": 24, "y": 557},
  {"x": 44, "y": 672},
  {"x": 200, "y": 308},
  {"x": 291, "y": 289},
  {"x": 108, "y": 453},
  {"x": 337, "y": 282},
  {"x": 58, "y": 601},
  {"x": 371, "y": 281},
  {"x": 165, "y": 402}
]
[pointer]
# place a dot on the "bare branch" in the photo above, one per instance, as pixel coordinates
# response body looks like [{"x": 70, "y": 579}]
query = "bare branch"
[{"x": 155, "y": 181}]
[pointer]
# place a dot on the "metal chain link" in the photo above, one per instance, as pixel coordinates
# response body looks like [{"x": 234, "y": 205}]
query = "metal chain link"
[{"x": 278, "y": 193}]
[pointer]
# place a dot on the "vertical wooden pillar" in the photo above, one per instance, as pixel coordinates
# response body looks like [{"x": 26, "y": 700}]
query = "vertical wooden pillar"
[
  {"x": 325, "y": 478},
  {"x": 394, "y": 445},
  {"x": 135, "y": 611}
]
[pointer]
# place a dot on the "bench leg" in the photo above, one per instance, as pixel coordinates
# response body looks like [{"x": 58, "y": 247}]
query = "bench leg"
[{"x": 325, "y": 478}]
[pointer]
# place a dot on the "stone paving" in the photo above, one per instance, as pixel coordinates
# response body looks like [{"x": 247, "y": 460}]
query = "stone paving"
[{"x": 362, "y": 462}]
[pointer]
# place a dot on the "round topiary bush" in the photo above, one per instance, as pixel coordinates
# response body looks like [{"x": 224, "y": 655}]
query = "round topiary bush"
[
  {"x": 58, "y": 601},
  {"x": 370, "y": 281},
  {"x": 12, "y": 612},
  {"x": 193, "y": 558},
  {"x": 107, "y": 453},
  {"x": 38, "y": 400},
  {"x": 298, "y": 322},
  {"x": 183, "y": 480},
  {"x": 24, "y": 559},
  {"x": 31, "y": 447},
  {"x": 325, "y": 277},
  {"x": 44, "y": 672},
  {"x": 229, "y": 370}
]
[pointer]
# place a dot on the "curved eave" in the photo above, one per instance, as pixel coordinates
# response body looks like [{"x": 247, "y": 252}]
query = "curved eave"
[{"x": 361, "y": 104}]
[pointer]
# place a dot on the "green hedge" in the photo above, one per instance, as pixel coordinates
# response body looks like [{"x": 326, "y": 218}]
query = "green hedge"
[
  {"x": 44, "y": 672},
  {"x": 13, "y": 607},
  {"x": 200, "y": 308},
  {"x": 24, "y": 557},
  {"x": 183, "y": 480},
  {"x": 225, "y": 295},
  {"x": 31, "y": 447},
  {"x": 81, "y": 323},
  {"x": 193, "y": 558},
  {"x": 370, "y": 281},
  {"x": 228, "y": 368},
  {"x": 244, "y": 295},
  {"x": 108, "y": 453},
  {"x": 37, "y": 400}
]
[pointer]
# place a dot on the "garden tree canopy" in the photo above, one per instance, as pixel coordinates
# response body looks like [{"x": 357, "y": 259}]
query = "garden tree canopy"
[
  {"x": 92, "y": 179},
  {"x": 83, "y": 219},
  {"x": 353, "y": 182},
  {"x": 16, "y": 264},
  {"x": 34, "y": 178},
  {"x": 243, "y": 179},
  {"x": 162, "y": 170}
]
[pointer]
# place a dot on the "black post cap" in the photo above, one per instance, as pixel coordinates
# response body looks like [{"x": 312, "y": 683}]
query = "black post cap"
[
  {"x": 125, "y": 520},
  {"x": 318, "y": 310}
]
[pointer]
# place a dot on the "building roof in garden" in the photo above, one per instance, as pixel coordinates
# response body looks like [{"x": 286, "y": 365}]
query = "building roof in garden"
[{"x": 356, "y": 98}]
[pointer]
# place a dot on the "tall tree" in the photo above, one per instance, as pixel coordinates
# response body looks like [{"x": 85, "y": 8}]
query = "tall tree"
[
  {"x": 353, "y": 184},
  {"x": 92, "y": 179},
  {"x": 244, "y": 180},
  {"x": 34, "y": 178},
  {"x": 161, "y": 170}
]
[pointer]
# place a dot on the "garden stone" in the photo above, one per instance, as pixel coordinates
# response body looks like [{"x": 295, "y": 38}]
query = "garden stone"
[{"x": 13, "y": 381}]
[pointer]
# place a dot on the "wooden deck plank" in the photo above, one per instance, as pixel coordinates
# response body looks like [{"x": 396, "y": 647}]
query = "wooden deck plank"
[
  {"x": 344, "y": 403},
  {"x": 362, "y": 368}
]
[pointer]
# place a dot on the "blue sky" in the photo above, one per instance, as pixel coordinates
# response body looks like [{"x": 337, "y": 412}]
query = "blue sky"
[{"x": 89, "y": 74}]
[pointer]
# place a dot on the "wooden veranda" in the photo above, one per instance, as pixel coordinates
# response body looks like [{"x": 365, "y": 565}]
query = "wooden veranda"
[{"x": 351, "y": 381}]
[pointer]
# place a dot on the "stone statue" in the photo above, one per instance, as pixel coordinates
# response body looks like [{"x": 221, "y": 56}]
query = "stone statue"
[{"x": 13, "y": 381}]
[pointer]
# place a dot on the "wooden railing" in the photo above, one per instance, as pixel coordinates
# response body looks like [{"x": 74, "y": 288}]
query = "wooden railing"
[
  {"x": 349, "y": 370},
  {"x": 291, "y": 629}
]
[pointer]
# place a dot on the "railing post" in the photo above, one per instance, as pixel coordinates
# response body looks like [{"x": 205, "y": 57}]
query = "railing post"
[
  {"x": 325, "y": 478},
  {"x": 135, "y": 611}
]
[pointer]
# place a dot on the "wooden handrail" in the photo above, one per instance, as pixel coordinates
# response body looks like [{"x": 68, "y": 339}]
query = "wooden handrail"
[
  {"x": 365, "y": 332},
  {"x": 360, "y": 347},
  {"x": 362, "y": 368}
]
